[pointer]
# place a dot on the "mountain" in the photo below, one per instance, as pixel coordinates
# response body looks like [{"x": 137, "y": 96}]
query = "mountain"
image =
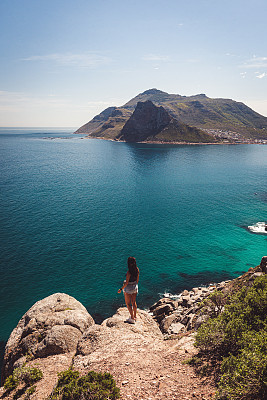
[
  {"x": 153, "y": 123},
  {"x": 198, "y": 111}
]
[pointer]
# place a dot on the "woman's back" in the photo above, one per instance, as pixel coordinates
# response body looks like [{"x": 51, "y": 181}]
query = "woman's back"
[{"x": 133, "y": 276}]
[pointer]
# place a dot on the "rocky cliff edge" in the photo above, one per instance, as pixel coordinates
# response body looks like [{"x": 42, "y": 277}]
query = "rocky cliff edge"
[{"x": 58, "y": 332}]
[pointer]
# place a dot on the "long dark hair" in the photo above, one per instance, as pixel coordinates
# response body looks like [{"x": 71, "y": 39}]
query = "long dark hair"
[{"x": 132, "y": 267}]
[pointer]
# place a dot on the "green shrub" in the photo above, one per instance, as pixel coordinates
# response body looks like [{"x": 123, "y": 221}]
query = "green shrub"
[
  {"x": 23, "y": 375},
  {"x": 237, "y": 338},
  {"x": 29, "y": 375},
  {"x": 30, "y": 391},
  {"x": 11, "y": 383},
  {"x": 92, "y": 386},
  {"x": 246, "y": 373},
  {"x": 214, "y": 304}
]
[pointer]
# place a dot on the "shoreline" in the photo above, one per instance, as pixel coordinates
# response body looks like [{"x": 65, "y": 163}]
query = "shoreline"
[
  {"x": 173, "y": 143},
  {"x": 180, "y": 314}
]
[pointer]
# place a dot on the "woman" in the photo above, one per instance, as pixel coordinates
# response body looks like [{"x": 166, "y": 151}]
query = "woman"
[{"x": 130, "y": 289}]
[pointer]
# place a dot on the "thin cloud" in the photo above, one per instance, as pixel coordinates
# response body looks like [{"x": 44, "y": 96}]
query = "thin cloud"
[
  {"x": 260, "y": 76},
  {"x": 10, "y": 100},
  {"x": 26, "y": 109},
  {"x": 19, "y": 100},
  {"x": 89, "y": 60},
  {"x": 255, "y": 62},
  {"x": 156, "y": 57}
]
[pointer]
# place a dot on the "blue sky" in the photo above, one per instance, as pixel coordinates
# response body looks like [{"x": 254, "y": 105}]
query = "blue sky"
[{"x": 64, "y": 61}]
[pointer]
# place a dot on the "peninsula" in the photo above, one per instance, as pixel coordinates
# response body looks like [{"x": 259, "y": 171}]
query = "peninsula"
[{"x": 160, "y": 117}]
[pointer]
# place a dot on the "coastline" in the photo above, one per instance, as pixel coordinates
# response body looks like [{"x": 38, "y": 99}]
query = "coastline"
[
  {"x": 176, "y": 143},
  {"x": 182, "y": 314}
]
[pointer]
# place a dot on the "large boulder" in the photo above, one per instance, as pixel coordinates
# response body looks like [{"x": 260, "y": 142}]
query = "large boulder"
[
  {"x": 117, "y": 342},
  {"x": 51, "y": 326},
  {"x": 263, "y": 264}
]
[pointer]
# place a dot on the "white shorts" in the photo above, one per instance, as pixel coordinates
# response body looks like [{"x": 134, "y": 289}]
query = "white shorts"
[{"x": 131, "y": 288}]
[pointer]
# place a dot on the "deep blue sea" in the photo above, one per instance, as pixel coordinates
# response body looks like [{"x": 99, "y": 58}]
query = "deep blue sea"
[{"x": 73, "y": 210}]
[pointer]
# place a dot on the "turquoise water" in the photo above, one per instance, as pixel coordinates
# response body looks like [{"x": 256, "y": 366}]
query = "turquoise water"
[{"x": 73, "y": 210}]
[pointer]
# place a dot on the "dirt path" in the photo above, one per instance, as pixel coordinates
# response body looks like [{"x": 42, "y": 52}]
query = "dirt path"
[{"x": 144, "y": 365}]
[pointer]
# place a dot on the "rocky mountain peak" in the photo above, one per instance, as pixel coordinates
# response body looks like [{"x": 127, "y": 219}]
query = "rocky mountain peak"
[
  {"x": 146, "y": 120},
  {"x": 153, "y": 91}
]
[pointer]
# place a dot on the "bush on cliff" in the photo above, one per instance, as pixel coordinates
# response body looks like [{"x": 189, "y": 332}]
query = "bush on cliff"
[
  {"x": 24, "y": 377},
  {"x": 237, "y": 338},
  {"x": 92, "y": 386}
]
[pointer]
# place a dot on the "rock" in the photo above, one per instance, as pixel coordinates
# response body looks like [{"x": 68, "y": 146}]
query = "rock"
[
  {"x": 176, "y": 328},
  {"x": 196, "y": 299},
  {"x": 147, "y": 120},
  {"x": 189, "y": 310},
  {"x": 185, "y": 320},
  {"x": 190, "y": 325},
  {"x": 161, "y": 311},
  {"x": 255, "y": 275},
  {"x": 59, "y": 339},
  {"x": 167, "y": 321},
  {"x": 163, "y": 301},
  {"x": 164, "y": 309},
  {"x": 152, "y": 123},
  {"x": 186, "y": 344},
  {"x": 186, "y": 301},
  {"x": 51, "y": 326},
  {"x": 115, "y": 340},
  {"x": 263, "y": 264}
]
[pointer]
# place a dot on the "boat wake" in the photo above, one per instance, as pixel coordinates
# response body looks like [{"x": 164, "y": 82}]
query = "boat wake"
[{"x": 259, "y": 227}]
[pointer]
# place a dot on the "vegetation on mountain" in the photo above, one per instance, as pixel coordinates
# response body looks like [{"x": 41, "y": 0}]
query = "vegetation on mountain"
[
  {"x": 113, "y": 124},
  {"x": 92, "y": 386},
  {"x": 23, "y": 377},
  {"x": 233, "y": 343},
  {"x": 198, "y": 111}
]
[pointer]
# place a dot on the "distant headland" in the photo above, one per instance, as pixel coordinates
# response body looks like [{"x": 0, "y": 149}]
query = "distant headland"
[{"x": 155, "y": 116}]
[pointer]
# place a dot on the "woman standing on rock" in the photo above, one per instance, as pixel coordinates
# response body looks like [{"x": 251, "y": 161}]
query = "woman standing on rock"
[{"x": 130, "y": 289}]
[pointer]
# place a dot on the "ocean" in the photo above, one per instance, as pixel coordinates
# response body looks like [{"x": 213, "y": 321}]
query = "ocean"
[{"x": 74, "y": 209}]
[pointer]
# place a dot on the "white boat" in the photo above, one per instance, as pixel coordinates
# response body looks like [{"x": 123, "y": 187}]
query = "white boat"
[{"x": 259, "y": 227}]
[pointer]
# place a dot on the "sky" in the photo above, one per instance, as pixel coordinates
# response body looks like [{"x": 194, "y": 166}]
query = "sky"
[{"x": 64, "y": 61}]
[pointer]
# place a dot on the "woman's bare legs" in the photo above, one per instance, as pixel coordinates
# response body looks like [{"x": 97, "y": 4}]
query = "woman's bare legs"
[
  {"x": 134, "y": 305},
  {"x": 128, "y": 304}
]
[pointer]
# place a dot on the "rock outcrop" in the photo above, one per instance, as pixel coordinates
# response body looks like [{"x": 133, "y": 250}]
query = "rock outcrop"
[
  {"x": 263, "y": 264},
  {"x": 116, "y": 337},
  {"x": 183, "y": 314},
  {"x": 51, "y": 326},
  {"x": 154, "y": 124},
  {"x": 146, "y": 121},
  {"x": 187, "y": 311}
]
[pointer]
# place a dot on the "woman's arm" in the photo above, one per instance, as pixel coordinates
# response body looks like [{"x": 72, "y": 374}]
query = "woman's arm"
[
  {"x": 126, "y": 282},
  {"x": 137, "y": 279}
]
